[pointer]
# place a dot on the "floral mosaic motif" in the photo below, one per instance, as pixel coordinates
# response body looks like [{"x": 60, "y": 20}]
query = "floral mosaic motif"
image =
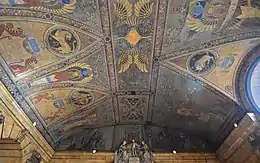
[
  {"x": 62, "y": 41},
  {"x": 202, "y": 62}
]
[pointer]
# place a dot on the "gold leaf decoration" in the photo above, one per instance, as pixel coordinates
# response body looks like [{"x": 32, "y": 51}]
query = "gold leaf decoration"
[
  {"x": 123, "y": 9},
  {"x": 124, "y": 62},
  {"x": 201, "y": 25},
  {"x": 249, "y": 12},
  {"x": 141, "y": 62},
  {"x": 57, "y": 8},
  {"x": 143, "y": 8},
  {"x": 82, "y": 66},
  {"x": 235, "y": 24}
]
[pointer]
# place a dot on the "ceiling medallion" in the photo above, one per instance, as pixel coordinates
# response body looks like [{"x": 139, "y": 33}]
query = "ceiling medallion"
[
  {"x": 202, "y": 63},
  {"x": 80, "y": 98},
  {"x": 131, "y": 14},
  {"x": 62, "y": 41}
]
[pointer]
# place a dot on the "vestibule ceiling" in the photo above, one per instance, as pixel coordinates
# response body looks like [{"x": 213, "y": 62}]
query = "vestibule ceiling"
[{"x": 92, "y": 73}]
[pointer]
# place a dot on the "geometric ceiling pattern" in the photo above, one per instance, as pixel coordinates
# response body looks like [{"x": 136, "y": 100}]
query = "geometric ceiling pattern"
[{"x": 94, "y": 73}]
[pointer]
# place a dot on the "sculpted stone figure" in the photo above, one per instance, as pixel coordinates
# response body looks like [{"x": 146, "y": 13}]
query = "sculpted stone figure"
[
  {"x": 133, "y": 152},
  {"x": 123, "y": 151},
  {"x": 254, "y": 140},
  {"x": 121, "y": 155},
  {"x": 146, "y": 155},
  {"x": 134, "y": 148}
]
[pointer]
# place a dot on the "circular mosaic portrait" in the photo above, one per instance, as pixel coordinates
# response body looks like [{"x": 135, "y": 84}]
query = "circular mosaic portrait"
[
  {"x": 253, "y": 84},
  {"x": 80, "y": 98},
  {"x": 202, "y": 62},
  {"x": 62, "y": 41}
]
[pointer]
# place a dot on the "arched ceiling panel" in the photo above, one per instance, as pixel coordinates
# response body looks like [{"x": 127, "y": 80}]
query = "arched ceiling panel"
[
  {"x": 182, "y": 102},
  {"x": 56, "y": 104},
  {"x": 223, "y": 62},
  {"x": 143, "y": 69}
]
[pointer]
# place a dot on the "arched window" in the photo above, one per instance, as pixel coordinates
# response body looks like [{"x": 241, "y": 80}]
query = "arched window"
[{"x": 253, "y": 84}]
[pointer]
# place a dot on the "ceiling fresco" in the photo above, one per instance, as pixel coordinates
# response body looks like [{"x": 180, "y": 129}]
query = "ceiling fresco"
[{"x": 94, "y": 73}]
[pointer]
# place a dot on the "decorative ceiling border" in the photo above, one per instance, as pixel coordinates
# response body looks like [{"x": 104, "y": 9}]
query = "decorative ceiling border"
[
  {"x": 107, "y": 31},
  {"x": 42, "y": 87},
  {"x": 28, "y": 13},
  {"x": 127, "y": 93},
  {"x": 108, "y": 49},
  {"x": 157, "y": 49},
  {"x": 212, "y": 43}
]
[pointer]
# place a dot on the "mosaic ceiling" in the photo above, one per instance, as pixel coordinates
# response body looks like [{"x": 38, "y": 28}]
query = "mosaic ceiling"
[{"x": 92, "y": 73}]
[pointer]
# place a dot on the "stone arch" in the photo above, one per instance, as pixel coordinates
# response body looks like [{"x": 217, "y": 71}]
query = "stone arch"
[{"x": 241, "y": 78}]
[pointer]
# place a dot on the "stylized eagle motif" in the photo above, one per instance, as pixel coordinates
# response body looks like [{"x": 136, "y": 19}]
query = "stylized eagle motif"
[
  {"x": 130, "y": 14},
  {"x": 133, "y": 57},
  {"x": 56, "y": 6},
  {"x": 204, "y": 15},
  {"x": 143, "y": 8},
  {"x": 124, "y": 62},
  {"x": 141, "y": 62},
  {"x": 124, "y": 9}
]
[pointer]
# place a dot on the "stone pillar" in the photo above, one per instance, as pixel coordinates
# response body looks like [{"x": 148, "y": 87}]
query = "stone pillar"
[{"x": 243, "y": 143}]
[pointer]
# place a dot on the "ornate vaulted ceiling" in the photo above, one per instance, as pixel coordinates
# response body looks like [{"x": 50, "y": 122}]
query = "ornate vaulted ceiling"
[{"x": 92, "y": 73}]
